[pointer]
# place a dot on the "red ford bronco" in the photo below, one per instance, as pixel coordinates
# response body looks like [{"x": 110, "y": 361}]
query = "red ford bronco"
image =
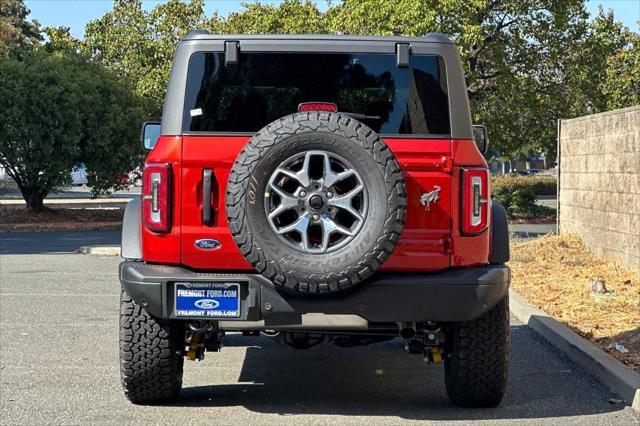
[{"x": 316, "y": 189}]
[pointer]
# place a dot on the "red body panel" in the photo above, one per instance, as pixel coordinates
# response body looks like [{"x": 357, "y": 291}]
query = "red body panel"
[
  {"x": 218, "y": 154},
  {"x": 466, "y": 250},
  {"x": 424, "y": 244},
  {"x": 431, "y": 239},
  {"x": 165, "y": 247}
]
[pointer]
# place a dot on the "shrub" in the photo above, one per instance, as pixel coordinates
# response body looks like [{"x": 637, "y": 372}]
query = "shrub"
[
  {"x": 518, "y": 195},
  {"x": 540, "y": 185}
]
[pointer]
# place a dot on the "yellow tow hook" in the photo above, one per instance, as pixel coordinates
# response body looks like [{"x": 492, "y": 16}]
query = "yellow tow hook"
[
  {"x": 436, "y": 355},
  {"x": 193, "y": 346}
]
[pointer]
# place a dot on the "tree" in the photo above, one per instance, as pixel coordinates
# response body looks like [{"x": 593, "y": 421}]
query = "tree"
[
  {"x": 16, "y": 31},
  {"x": 527, "y": 62},
  {"x": 288, "y": 17},
  {"x": 58, "y": 111},
  {"x": 511, "y": 50},
  {"x": 603, "y": 70},
  {"x": 622, "y": 82},
  {"x": 61, "y": 40},
  {"x": 138, "y": 45}
]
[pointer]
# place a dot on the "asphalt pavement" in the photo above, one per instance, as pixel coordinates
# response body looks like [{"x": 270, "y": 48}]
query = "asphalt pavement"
[
  {"x": 527, "y": 231},
  {"x": 59, "y": 365},
  {"x": 54, "y": 241},
  {"x": 70, "y": 241}
]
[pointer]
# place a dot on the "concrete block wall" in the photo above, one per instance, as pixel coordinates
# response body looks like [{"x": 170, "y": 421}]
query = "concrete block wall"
[{"x": 599, "y": 193}]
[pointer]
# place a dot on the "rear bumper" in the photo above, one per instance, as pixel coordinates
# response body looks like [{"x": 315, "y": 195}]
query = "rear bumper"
[{"x": 457, "y": 294}]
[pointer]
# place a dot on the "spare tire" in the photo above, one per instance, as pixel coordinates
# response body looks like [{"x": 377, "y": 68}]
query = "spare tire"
[{"x": 316, "y": 202}]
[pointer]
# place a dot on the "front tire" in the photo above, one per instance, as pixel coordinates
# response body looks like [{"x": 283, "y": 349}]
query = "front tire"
[
  {"x": 150, "y": 355},
  {"x": 476, "y": 370}
]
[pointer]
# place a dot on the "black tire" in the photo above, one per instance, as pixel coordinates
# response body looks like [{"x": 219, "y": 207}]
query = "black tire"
[
  {"x": 150, "y": 362},
  {"x": 476, "y": 370},
  {"x": 304, "y": 273}
]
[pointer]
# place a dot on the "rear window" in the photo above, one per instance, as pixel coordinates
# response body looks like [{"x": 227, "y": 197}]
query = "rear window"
[{"x": 263, "y": 87}]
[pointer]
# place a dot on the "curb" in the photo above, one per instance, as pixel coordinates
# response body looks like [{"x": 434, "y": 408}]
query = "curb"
[
  {"x": 73, "y": 203},
  {"x": 66, "y": 205},
  {"x": 608, "y": 370},
  {"x": 532, "y": 221},
  {"x": 61, "y": 226},
  {"x": 100, "y": 250}
]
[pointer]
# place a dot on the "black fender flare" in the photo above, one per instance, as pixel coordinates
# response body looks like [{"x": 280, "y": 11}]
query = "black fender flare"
[
  {"x": 130, "y": 244},
  {"x": 499, "y": 250}
]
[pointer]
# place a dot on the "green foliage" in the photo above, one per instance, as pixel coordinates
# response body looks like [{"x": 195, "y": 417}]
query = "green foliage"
[
  {"x": 527, "y": 62},
  {"x": 289, "y": 17},
  {"x": 510, "y": 51},
  {"x": 539, "y": 184},
  {"x": 58, "y": 111},
  {"x": 139, "y": 45},
  {"x": 521, "y": 198},
  {"x": 518, "y": 195},
  {"x": 61, "y": 40},
  {"x": 618, "y": 78},
  {"x": 604, "y": 70},
  {"x": 622, "y": 82},
  {"x": 15, "y": 31}
]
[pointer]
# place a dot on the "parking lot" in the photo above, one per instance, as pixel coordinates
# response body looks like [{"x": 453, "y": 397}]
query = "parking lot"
[{"x": 59, "y": 365}]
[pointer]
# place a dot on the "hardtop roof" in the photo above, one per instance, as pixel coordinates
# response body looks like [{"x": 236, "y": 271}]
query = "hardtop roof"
[
  {"x": 231, "y": 45},
  {"x": 427, "y": 38}
]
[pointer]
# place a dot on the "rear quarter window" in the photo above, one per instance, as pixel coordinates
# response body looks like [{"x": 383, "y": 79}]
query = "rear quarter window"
[{"x": 263, "y": 87}]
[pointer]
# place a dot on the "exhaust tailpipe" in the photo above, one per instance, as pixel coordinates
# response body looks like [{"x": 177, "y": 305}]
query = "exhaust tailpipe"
[{"x": 407, "y": 330}]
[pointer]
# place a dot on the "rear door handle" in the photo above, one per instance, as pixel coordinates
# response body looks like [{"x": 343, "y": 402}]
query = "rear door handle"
[{"x": 207, "y": 212}]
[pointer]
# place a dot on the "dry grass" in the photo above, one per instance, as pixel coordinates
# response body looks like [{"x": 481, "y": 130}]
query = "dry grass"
[{"x": 555, "y": 272}]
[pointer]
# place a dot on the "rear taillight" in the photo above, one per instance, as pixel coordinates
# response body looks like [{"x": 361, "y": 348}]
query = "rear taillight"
[
  {"x": 475, "y": 200},
  {"x": 317, "y": 106},
  {"x": 156, "y": 197}
]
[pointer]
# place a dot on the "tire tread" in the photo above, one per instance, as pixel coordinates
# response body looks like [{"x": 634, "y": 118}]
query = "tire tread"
[
  {"x": 476, "y": 371},
  {"x": 238, "y": 187},
  {"x": 150, "y": 367}
]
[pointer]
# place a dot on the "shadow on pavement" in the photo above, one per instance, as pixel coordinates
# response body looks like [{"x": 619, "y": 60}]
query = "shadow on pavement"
[
  {"x": 54, "y": 241},
  {"x": 382, "y": 380}
]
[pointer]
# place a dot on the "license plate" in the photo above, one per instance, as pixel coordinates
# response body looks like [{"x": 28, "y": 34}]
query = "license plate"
[{"x": 207, "y": 300}]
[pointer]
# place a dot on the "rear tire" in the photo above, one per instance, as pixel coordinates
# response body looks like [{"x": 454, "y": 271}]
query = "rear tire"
[
  {"x": 150, "y": 359},
  {"x": 476, "y": 371}
]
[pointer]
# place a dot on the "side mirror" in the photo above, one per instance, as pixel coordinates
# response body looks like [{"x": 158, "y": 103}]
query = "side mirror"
[
  {"x": 150, "y": 134},
  {"x": 481, "y": 137}
]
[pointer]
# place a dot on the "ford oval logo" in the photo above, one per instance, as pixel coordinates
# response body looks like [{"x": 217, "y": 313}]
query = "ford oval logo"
[
  {"x": 206, "y": 304},
  {"x": 208, "y": 244}
]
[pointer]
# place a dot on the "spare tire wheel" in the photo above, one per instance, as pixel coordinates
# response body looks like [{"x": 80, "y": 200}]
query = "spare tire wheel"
[{"x": 316, "y": 202}]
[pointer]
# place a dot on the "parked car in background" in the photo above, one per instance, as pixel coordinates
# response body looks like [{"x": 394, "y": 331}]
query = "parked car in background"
[
  {"x": 531, "y": 172},
  {"x": 79, "y": 175},
  {"x": 135, "y": 177}
]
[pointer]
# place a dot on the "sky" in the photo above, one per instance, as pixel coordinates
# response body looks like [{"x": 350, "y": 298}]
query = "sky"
[{"x": 76, "y": 13}]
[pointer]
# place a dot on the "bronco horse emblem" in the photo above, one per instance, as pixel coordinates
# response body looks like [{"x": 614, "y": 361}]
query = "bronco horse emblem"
[{"x": 430, "y": 197}]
